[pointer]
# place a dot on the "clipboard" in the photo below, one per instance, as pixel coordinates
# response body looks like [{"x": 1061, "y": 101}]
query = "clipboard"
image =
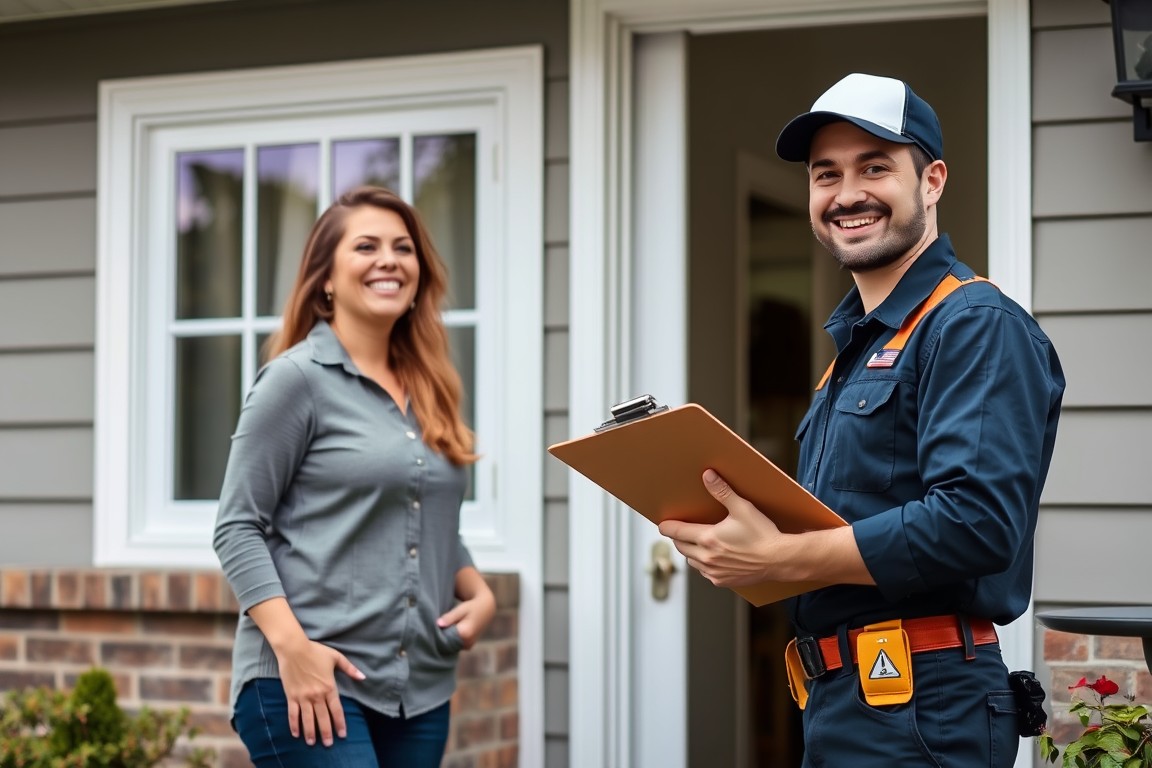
[{"x": 651, "y": 458}]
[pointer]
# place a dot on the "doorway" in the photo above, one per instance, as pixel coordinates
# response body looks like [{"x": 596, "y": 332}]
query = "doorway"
[{"x": 760, "y": 289}]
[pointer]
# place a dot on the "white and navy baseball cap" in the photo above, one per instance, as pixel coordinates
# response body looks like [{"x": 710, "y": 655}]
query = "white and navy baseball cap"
[{"x": 882, "y": 106}]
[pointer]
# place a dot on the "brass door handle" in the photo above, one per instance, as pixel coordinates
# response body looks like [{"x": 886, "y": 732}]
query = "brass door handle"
[{"x": 661, "y": 568}]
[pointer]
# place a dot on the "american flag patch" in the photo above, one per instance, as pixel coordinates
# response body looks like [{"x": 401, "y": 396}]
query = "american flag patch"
[{"x": 885, "y": 358}]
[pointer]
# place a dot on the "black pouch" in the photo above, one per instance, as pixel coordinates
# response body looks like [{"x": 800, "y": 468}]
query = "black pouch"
[{"x": 1030, "y": 715}]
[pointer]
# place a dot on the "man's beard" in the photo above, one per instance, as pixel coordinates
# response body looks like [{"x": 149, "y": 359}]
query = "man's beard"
[{"x": 895, "y": 243}]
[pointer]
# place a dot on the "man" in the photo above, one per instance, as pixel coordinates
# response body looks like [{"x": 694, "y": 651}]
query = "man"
[{"x": 931, "y": 435}]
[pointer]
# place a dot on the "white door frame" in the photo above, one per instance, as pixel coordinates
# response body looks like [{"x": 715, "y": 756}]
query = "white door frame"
[{"x": 603, "y": 307}]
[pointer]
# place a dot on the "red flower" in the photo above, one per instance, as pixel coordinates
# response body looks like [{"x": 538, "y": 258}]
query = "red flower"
[{"x": 1103, "y": 686}]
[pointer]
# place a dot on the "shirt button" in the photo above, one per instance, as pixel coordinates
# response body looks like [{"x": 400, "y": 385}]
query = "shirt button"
[
  {"x": 412, "y": 602},
  {"x": 410, "y": 435},
  {"x": 862, "y": 403},
  {"x": 419, "y": 462},
  {"x": 839, "y": 379},
  {"x": 412, "y": 552},
  {"x": 415, "y": 505},
  {"x": 403, "y": 652}
]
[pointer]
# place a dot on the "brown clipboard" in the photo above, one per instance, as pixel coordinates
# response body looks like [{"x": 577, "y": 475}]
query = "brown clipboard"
[{"x": 652, "y": 460}]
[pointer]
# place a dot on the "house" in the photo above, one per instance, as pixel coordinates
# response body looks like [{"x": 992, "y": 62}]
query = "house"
[{"x": 601, "y": 176}]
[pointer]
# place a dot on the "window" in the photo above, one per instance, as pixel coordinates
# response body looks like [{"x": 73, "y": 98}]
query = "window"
[{"x": 208, "y": 187}]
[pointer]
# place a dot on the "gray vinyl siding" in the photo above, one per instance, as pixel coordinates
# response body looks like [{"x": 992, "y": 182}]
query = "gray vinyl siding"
[
  {"x": 556, "y": 616},
  {"x": 48, "y": 169},
  {"x": 1092, "y": 211}
]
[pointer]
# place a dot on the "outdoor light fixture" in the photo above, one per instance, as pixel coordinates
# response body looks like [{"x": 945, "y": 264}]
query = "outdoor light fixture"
[{"x": 1132, "y": 39}]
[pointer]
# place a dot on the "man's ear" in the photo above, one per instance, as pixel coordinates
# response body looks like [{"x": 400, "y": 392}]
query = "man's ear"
[{"x": 933, "y": 180}]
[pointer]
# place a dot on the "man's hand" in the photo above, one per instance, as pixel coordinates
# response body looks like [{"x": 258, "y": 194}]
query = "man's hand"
[{"x": 735, "y": 552}]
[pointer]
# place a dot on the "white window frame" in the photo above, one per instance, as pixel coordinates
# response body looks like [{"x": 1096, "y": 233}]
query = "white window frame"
[{"x": 506, "y": 535}]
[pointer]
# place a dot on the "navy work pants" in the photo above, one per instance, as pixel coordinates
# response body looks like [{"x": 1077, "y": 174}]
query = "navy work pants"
[
  {"x": 962, "y": 715},
  {"x": 374, "y": 740}
]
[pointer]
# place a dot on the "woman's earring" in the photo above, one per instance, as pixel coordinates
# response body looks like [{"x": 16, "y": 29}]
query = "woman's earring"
[
  {"x": 328, "y": 296},
  {"x": 412, "y": 305}
]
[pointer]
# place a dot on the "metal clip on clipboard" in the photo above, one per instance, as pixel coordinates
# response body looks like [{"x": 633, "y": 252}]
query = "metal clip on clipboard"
[{"x": 630, "y": 410}]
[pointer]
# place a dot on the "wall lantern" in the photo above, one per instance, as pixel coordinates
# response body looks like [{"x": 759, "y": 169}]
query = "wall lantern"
[{"x": 1132, "y": 39}]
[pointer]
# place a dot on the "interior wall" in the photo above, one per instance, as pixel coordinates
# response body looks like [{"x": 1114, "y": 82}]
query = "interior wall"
[{"x": 742, "y": 89}]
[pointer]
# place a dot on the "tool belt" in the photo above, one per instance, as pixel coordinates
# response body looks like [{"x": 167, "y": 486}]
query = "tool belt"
[{"x": 886, "y": 648}]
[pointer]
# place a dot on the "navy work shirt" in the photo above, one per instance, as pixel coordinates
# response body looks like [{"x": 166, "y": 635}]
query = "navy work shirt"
[{"x": 938, "y": 461}]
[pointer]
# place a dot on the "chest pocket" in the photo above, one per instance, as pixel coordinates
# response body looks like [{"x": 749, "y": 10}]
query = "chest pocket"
[{"x": 862, "y": 436}]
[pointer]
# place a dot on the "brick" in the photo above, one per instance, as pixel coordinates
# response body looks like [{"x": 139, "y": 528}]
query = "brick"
[
  {"x": 227, "y": 597},
  {"x": 95, "y": 590},
  {"x": 505, "y": 587},
  {"x": 122, "y": 681},
  {"x": 179, "y": 592},
  {"x": 187, "y": 689},
  {"x": 212, "y": 657},
  {"x": 509, "y": 692},
  {"x": 1063, "y": 646},
  {"x": 1143, "y": 687},
  {"x": 475, "y": 663},
  {"x": 460, "y": 761},
  {"x": 210, "y": 723},
  {"x": 98, "y": 622},
  {"x": 224, "y": 691},
  {"x": 506, "y": 658},
  {"x": 472, "y": 731},
  {"x": 11, "y": 679},
  {"x": 136, "y": 654},
  {"x": 233, "y": 757},
  {"x": 41, "y": 589},
  {"x": 14, "y": 589},
  {"x": 207, "y": 592},
  {"x": 504, "y": 626},
  {"x": 153, "y": 595},
  {"x": 9, "y": 647},
  {"x": 1126, "y": 648},
  {"x": 504, "y": 757},
  {"x": 59, "y": 650},
  {"x": 68, "y": 593},
  {"x": 476, "y": 695},
  {"x": 122, "y": 594},
  {"x": 20, "y": 619},
  {"x": 179, "y": 624},
  {"x": 510, "y": 726}
]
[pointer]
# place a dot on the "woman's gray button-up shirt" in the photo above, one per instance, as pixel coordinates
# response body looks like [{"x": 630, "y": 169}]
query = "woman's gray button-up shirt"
[{"x": 332, "y": 500}]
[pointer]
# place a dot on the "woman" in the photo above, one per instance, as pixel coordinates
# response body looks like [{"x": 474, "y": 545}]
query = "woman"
[{"x": 339, "y": 513}]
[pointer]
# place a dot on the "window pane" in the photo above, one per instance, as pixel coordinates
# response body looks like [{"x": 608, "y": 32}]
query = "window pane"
[
  {"x": 209, "y": 216},
  {"x": 462, "y": 345},
  {"x": 207, "y": 406},
  {"x": 365, "y": 161},
  {"x": 444, "y": 185},
  {"x": 285, "y": 209}
]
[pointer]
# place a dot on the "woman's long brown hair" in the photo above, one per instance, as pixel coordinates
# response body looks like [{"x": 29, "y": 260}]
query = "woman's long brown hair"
[{"x": 418, "y": 351}]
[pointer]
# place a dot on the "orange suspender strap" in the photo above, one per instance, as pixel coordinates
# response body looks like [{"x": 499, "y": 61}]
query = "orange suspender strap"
[{"x": 886, "y": 357}]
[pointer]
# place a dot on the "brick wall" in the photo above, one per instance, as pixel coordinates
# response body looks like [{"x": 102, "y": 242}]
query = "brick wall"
[
  {"x": 166, "y": 638},
  {"x": 1070, "y": 657}
]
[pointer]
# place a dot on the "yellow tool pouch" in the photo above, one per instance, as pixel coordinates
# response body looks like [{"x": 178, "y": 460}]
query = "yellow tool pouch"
[
  {"x": 797, "y": 680},
  {"x": 885, "y": 663}
]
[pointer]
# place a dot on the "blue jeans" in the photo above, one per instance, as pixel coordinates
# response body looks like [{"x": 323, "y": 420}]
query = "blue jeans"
[{"x": 374, "y": 740}]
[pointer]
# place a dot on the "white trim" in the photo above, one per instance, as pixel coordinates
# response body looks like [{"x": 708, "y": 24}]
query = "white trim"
[
  {"x": 510, "y": 82},
  {"x": 658, "y": 354},
  {"x": 598, "y": 74}
]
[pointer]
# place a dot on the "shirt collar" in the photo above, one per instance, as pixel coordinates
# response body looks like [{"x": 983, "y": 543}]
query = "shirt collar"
[
  {"x": 922, "y": 277},
  {"x": 327, "y": 349}
]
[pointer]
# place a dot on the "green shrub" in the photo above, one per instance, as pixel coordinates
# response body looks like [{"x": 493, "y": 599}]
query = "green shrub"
[{"x": 45, "y": 728}]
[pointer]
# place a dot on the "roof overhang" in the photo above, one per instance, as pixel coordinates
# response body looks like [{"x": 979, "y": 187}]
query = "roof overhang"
[{"x": 35, "y": 10}]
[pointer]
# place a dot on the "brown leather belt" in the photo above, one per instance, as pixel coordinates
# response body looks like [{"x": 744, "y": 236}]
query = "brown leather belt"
[{"x": 931, "y": 633}]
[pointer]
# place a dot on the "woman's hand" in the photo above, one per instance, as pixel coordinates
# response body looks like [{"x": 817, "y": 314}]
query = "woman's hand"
[
  {"x": 474, "y": 612},
  {"x": 307, "y": 670}
]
